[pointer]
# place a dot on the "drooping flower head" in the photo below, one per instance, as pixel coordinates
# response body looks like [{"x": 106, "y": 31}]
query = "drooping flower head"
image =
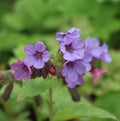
[
  {"x": 37, "y": 55},
  {"x": 72, "y": 72},
  {"x": 73, "y": 32},
  {"x": 72, "y": 48},
  {"x": 97, "y": 73},
  {"x": 75, "y": 50},
  {"x": 21, "y": 71}
]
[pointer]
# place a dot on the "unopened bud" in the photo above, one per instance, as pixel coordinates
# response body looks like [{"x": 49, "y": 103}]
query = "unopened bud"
[
  {"x": 35, "y": 73},
  {"x": 51, "y": 67},
  {"x": 3, "y": 79},
  {"x": 7, "y": 92},
  {"x": 44, "y": 72},
  {"x": 52, "y": 70}
]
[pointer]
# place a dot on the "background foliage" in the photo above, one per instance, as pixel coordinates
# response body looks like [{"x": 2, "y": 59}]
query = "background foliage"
[{"x": 27, "y": 21}]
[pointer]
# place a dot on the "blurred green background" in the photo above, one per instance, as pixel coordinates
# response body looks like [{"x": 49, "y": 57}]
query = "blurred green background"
[{"x": 27, "y": 21}]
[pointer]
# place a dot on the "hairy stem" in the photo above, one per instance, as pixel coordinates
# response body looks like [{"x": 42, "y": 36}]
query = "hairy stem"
[{"x": 50, "y": 105}]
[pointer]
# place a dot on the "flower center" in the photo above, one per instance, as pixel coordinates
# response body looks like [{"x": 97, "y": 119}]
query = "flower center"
[
  {"x": 38, "y": 54},
  {"x": 70, "y": 64},
  {"x": 68, "y": 47},
  {"x": 25, "y": 68}
]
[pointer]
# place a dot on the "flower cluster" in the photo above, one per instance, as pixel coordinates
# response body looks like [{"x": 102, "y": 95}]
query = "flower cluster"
[
  {"x": 35, "y": 64},
  {"x": 79, "y": 56}
]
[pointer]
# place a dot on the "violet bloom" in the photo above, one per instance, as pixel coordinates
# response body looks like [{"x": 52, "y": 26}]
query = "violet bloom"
[
  {"x": 36, "y": 55},
  {"x": 97, "y": 73},
  {"x": 105, "y": 56},
  {"x": 92, "y": 47},
  {"x": 21, "y": 71},
  {"x": 74, "y": 32},
  {"x": 72, "y": 48},
  {"x": 73, "y": 72},
  {"x": 86, "y": 61}
]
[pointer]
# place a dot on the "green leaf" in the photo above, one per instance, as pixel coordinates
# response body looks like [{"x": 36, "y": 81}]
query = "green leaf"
[
  {"x": 34, "y": 87},
  {"x": 63, "y": 106},
  {"x": 65, "y": 109},
  {"x": 3, "y": 116},
  {"x": 70, "y": 111},
  {"x": 110, "y": 102}
]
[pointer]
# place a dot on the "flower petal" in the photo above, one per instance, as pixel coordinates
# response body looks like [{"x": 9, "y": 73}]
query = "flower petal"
[
  {"x": 87, "y": 66},
  {"x": 19, "y": 75},
  {"x": 78, "y": 54},
  {"x": 91, "y": 42},
  {"x": 45, "y": 56},
  {"x": 106, "y": 58},
  {"x": 96, "y": 52},
  {"x": 80, "y": 80},
  {"x": 62, "y": 47},
  {"x": 65, "y": 70},
  {"x": 71, "y": 85},
  {"x": 39, "y": 46},
  {"x": 29, "y": 60},
  {"x": 97, "y": 73},
  {"x": 16, "y": 66},
  {"x": 78, "y": 43},
  {"x": 59, "y": 36},
  {"x": 74, "y": 32},
  {"x": 87, "y": 57},
  {"x": 105, "y": 48},
  {"x": 72, "y": 75},
  {"x": 29, "y": 49},
  {"x": 38, "y": 63},
  {"x": 26, "y": 77},
  {"x": 79, "y": 67},
  {"x": 69, "y": 56}
]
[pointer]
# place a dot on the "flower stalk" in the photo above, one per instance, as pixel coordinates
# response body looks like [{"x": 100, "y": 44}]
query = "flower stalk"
[{"x": 50, "y": 105}]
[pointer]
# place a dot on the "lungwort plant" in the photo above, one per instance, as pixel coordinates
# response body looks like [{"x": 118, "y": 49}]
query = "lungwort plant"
[{"x": 61, "y": 76}]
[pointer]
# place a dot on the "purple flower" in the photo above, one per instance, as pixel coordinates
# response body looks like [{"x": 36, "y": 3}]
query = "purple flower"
[
  {"x": 73, "y": 72},
  {"x": 92, "y": 47},
  {"x": 36, "y": 55},
  {"x": 21, "y": 71},
  {"x": 105, "y": 56},
  {"x": 73, "y": 32},
  {"x": 72, "y": 48},
  {"x": 97, "y": 73},
  {"x": 86, "y": 61}
]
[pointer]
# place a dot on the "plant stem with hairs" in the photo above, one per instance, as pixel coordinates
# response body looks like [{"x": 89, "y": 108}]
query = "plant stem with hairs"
[{"x": 50, "y": 105}]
